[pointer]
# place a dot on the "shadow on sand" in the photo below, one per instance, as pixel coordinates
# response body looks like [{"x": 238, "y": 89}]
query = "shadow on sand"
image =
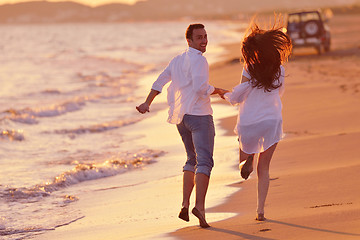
[
  {"x": 274, "y": 222},
  {"x": 306, "y": 54},
  {"x": 314, "y": 229},
  {"x": 240, "y": 234}
]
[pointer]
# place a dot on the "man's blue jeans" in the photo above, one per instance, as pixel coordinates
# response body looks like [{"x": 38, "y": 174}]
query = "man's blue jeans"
[{"x": 197, "y": 133}]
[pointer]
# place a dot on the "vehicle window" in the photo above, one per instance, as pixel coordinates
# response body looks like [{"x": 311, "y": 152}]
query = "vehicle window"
[
  {"x": 294, "y": 19},
  {"x": 309, "y": 16}
]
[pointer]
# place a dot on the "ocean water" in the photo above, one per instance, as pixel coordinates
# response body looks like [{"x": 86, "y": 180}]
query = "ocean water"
[{"x": 67, "y": 98}]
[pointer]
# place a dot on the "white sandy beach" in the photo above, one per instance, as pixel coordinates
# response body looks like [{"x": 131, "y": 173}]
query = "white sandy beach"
[{"x": 314, "y": 191}]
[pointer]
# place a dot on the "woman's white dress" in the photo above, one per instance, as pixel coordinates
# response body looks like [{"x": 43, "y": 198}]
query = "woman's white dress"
[{"x": 259, "y": 123}]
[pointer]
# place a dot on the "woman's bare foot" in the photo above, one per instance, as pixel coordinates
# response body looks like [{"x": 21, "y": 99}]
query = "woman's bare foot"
[
  {"x": 260, "y": 217},
  {"x": 247, "y": 168}
]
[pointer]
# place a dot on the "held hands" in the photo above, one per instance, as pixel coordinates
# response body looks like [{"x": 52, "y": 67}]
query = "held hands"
[
  {"x": 221, "y": 92},
  {"x": 143, "y": 108}
]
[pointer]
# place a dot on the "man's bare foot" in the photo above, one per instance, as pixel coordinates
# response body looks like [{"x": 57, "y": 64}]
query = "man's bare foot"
[
  {"x": 184, "y": 214},
  {"x": 201, "y": 218}
]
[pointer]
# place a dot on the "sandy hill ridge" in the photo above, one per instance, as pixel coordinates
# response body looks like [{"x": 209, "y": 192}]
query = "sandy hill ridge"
[{"x": 47, "y": 12}]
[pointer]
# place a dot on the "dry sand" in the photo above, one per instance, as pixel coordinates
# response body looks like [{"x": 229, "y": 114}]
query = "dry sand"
[{"x": 315, "y": 184}]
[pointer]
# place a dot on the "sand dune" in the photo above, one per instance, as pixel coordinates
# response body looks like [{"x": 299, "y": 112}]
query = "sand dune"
[{"x": 67, "y": 11}]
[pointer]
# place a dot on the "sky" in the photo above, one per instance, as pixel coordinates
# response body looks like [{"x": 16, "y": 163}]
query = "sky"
[{"x": 87, "y": 2}]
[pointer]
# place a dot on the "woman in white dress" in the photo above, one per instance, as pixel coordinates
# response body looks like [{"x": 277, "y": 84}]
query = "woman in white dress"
[{"x": 259, "y": 124}]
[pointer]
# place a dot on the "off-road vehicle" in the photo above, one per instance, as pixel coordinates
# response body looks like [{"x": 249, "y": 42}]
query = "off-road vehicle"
[{"x": 308, "y": 29}]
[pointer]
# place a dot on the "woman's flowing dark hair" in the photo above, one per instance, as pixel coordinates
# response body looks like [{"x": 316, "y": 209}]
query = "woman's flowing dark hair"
[{"x": 264, "y": 51}]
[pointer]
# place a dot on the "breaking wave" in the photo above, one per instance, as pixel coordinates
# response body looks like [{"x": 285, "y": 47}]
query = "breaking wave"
[
  {"x": 30, "y": 115},
  {"x": 80, "y": 173},
  {"x": 12, "y": 135}
]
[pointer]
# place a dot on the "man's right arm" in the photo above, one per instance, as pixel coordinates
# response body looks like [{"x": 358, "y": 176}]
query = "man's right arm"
[
  {"x": 145, "y": 107},
  {"x": 157, "y": 86}
]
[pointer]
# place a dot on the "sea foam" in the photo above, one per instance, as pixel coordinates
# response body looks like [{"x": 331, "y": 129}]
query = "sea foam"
[
  {"x": 12, "y": 135},
  {"x": 80, "y": 173}
]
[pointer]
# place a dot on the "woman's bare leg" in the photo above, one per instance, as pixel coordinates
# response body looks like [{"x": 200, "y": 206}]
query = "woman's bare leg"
[
  {"x": 263, "y": 178},
  {"x": 246, "y": 167},
  {"x": 243, "y": 156}
]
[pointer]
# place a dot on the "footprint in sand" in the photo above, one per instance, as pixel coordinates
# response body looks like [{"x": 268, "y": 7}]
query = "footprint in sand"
[{"x": 331, "y": 205}]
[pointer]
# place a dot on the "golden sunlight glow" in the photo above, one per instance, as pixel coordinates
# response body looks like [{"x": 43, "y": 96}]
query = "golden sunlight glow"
[{"x": 92, "y": 3}]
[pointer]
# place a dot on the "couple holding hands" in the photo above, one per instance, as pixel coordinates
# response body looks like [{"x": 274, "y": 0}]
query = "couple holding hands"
[{"x": 259, "y": 123}]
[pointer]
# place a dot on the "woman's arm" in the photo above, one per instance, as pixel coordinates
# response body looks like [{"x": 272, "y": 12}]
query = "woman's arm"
[{"x": 238, "y": 94}]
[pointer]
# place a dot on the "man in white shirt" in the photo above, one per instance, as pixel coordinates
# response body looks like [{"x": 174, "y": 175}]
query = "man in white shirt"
[{"x": 189, "y": 108}]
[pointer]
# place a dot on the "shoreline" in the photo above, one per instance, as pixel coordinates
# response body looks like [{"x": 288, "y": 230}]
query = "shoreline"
[{"x": 313, "y": 188}]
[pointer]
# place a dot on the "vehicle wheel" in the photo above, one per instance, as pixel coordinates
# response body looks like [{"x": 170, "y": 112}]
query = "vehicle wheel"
[
  {"x": 327, "y": 46},
  {"x": 312, "y": 28},
  {"x": 319, "y": 49}
]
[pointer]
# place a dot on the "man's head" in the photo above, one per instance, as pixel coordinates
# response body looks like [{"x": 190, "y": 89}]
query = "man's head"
[{"x": 196, "y": 37}]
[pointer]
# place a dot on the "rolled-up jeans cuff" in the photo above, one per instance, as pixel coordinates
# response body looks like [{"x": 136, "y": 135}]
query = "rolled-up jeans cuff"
[
  {"x": 204, "y": 170},
  {"x": 189, "y": 168}
]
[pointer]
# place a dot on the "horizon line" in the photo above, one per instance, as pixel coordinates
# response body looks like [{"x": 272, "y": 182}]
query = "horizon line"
[{"x": 81, "y": 2}]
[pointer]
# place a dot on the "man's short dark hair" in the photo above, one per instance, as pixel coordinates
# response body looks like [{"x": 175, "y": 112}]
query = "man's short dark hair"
[{"x": 190, "y": 29}]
